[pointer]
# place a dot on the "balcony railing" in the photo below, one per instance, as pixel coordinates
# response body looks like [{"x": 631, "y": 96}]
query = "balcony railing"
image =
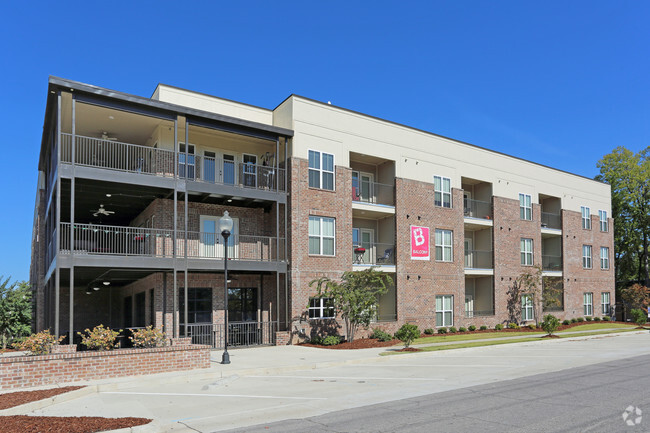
[
  {"x": 139, "y": 241},
  {"x": 551, "y": 263},
  {"x": 228, "y": 172},
  {"x": 477, "y": 209},
  {"x": 373, "y": 193},
  {"x": 551, "y": 220},
  {"x": 475, "y": 259},
  {"x": 373, "y": 254},
  {"x": 243, "y": 334},
  {"x": 479, "y": 313}
]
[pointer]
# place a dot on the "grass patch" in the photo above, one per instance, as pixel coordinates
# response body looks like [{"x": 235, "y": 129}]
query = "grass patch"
[
  {"x": 477, "y": 336},
  {"x": 600, "y": 325}
]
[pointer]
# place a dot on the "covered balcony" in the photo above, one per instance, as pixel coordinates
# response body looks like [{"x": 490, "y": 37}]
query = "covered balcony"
[
  {"x": 551, "y": 254},
  {"x": 479, "y": 297},
  {"x": 373, "y": 186},
  {"x": 478, "y": 252},
  {"x": 477, "y": 202},
  {"x": 373, "y": 243},
  {"x": 551, "y": 208}
]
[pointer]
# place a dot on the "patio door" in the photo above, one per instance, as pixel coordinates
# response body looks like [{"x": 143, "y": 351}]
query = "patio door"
[
  {"x": 363, "y": 244},
  {"x": 186, "y": 168},
  {"x": 228, "y": 171},
  {"x": 211, "y": 241},
  {"x": 249, "y": 168},
  {"x": 469, "y": 305},
  {"x": 362, "y": 187},
  {"x": 469, "y": 253},
  {"x": 242, "y": 304},
  {"x": 467, "y": 203},
  {"x": 209, "y": 166}
]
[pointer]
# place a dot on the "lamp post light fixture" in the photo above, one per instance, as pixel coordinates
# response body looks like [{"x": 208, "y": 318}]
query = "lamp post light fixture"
[{"x": 225, "y": 226}]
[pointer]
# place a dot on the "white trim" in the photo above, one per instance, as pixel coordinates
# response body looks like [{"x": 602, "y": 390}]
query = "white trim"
[
  {"x": 443, "y": 245},
  {"x": 443, "y": 310},
  {"x": 588, "y": 307},
  {"x": 320, "y": 308},
  {"x": 529, "y": 207},
  {"x": 527, "y": 310},
  {"x": 321, "y": 171},
  {"x": 525, "y": 253},
  {"x": 442, "y": 192},
  {"x": 608, "y": 311},
  {"x": 321, "y": 236},
  {"x": 586, "y": 220},
  {"x": 603, "y": 222},
  {"x": 604, "y": 258},
  {"x": 587, "y": 257}
]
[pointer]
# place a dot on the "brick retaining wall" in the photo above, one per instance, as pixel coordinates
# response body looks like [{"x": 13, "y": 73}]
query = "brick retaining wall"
[{"x": 28, "y": 371}]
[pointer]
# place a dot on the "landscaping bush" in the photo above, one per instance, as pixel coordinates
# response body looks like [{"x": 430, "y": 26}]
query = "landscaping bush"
[
  {"x": 316, "y": 339},
  {"x": 588, "y": 318},
  {"x": 100, "y": 338},
  {"x": 429, "y": 331},
  {"x": 566, "y": 322},
  {"x": 452, "y": 330},
  {"x": 483, "y": 328},
  {"x": 596, "y": 319},
  {"x": 607, "y": 318},
  {"x": 442, "y": 330},
  {"x": 331, "y": 340},
  {"x": 574, "y": 320},
  {"x": 472, "y": 328},
  {"x": 513, "y": 325},
  {"x": 638, "y": 316},
  {"x": 498, "y": 327},
  {"x": 462, "y": 329},
  {"x": 532, "y": 326},
  {"x": 381, "y": 335},
  {"x": 580, "y": 319},
  {"x": 39, "y": 344},
  {"x": 550, "y": 324},
  {"x": 407, "y": 333},
  {"x": 148, "y": 337}
]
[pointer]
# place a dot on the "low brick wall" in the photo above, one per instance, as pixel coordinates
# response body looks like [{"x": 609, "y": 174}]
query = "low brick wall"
[{"x": 28, "y": 371}]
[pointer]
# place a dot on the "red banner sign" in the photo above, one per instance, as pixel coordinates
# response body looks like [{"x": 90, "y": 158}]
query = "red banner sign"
[{"x": 420, "y": 243}]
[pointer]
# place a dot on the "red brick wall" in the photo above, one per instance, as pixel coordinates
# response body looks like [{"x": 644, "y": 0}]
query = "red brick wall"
[{"x": 28, "y": 371}]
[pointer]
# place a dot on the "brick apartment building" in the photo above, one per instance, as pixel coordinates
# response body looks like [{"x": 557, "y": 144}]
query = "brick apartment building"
[{"x": 131, "y": 190}]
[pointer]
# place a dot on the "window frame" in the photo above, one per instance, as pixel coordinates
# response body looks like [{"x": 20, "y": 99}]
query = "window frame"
[
  {"x": 602, "y": 217},
  {"x": 443, "y": 247},
  {"x": 604, "y": 258},
  {"x": 606, "y": 311},
  {"x": 587, "y": 262},
  {"x": 525, "y": 253},
  {"x": 442, "y": 192},
  {"x": 525, "y": 209},
  {"x": 527, "y": 308},
  {"x": 588, "y": 308},
  {"x": 321, "y": 308},
  {"x": 320, "y": 170},
  {"x": 586, "y": 219},
  {"x": 443, "y": 311},
  {"x": 321, "y": 236}
]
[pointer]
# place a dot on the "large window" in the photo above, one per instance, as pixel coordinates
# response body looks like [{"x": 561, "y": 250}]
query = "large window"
[
  {"x": 442, "y": 191},
  {"x": 604, "y": 258},
  {"x": 586, "y": 256},
  {"x": 588, "y": 304},
  {"x": 321, "y": 170},
  {"x": 444, "y": 249},
  {"x": 527, "y": 312},
  {"x": 321, "y": 236},
  {"x": 525, "y": 207},
  {"x": 321, "y": 308},
  {"x": 445, "y": 310},
  {"x": 199, "y": 305},
  {"x": 586, "y": 217},
  {"x": 526, "y": 252},
  {"x": 605, "y": 303},
  {"x": 602, "y": 217}
]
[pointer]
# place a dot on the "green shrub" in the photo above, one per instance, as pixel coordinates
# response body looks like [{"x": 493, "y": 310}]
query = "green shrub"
[
  {"x": 38, "y": 344},
  {"x": 589, "y": 318},
  {"x": 381, "y": 335},
  {"x": 596, "y": 319},
  {"x": 550, "y": 324},
  {"x": 574, "y": 320},
  {"x": 429, "y": 331},
  {"x": 638, "y": 316},
  {"x": 316, "y": 339},
  {"x": 462, "y": 329},
  {"x": 148, "y": 337},
  {"x": 607, "y": 318},
  {"x": 513, "y": 325},
  {"x": 452, "y": 330},
  {"x": 566, "y": 322},
  {"x": 331, "y": 340},
  {"x": 498, "y": 326},
  {"x": 483, "y": 328},
  {"x": 580, "y": 319},
  {"x": 471, "y": 328},
  {"x": 100, "y": 338},
  {"x": 442, "y": 330},
  {"x": 532, "y": 326},
  {"x": 407, "y": 333}
]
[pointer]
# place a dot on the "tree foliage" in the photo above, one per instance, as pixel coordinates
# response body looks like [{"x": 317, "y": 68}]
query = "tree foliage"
[
  {"x": 355, "y": 296},
  {"x": 15, "y": 311},
  {"x": 635, "y": 296},
  {"x": 544, "y": 291},
  {"x": 628, "y": 174}
]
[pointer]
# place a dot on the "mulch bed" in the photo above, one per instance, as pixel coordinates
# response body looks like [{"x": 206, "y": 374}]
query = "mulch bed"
[
  {"x": 74, "y": 424},
  {"x": 55, "y": 424},
  {"x": 359, "y": 343}
]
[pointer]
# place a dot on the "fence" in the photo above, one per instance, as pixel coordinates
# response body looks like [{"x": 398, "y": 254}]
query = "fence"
[{"x": 240, "y": 334}]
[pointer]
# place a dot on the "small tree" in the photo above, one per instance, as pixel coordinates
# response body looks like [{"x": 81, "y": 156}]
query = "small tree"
[
  {"x": 15, "y": 311},
  {"x": 636, "y": 296},
  {"x": 639, "y": 316},
  {"x": 550, "y": 324},
  {"x": 544, "y": 292},
  {"x": 355, "y": 297},
  {"x": 407, "y": 333}
]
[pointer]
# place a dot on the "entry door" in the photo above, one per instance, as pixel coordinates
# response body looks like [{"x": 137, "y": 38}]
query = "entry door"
[
  {"x": 469, "y": 253},
  {"x": 209, "y": 166},
  {"x": 467, "y": 203},
  {"x": 469, "y": 305},
  {"x": 362, "y": 187},
  {"x": 249, "y": 168},
  {"x": 228, "y": 172},
  {"x": 186, "y": 168},
  {"x": 363, "y": 238},
  {"x": 211, "y": 241}
]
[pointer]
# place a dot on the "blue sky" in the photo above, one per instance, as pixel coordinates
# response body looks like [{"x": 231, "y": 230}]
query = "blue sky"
[{"x": 559, "y": 83}]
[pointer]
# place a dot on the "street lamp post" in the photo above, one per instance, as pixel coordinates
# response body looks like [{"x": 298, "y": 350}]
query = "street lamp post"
[{"x": 225, "y": 226}]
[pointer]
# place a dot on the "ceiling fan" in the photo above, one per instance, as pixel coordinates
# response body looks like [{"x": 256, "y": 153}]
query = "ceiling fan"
[
  {"x": 102, "y": 211},
  {"x": 106, "y": 136}
]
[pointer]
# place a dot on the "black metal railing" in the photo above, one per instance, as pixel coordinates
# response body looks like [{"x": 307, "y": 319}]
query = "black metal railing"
[{"x": 240, "y": 334}]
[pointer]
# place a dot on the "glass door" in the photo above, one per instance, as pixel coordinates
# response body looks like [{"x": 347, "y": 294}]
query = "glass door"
[
  {"x": 209, "y": 166},
  {"x": 469, "y": 253},
  {"x": 362, "y": 187},
  {"x": 249, "y": 168},
  {"x": 469, "y": 305},
  {"x": 211, "y": 241},
  {"x": 186, "y": 168},
  {"x": 228, "y": 171}
]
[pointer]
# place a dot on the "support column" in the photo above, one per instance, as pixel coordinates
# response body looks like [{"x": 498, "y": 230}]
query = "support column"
[
  {"x": 72, "y": 228},
  {"x": 57, "y": 280},
  {"x": 185, "y": 306}
]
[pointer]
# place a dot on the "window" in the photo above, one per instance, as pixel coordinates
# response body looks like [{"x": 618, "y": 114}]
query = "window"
[
  {"x": 588, "y": 304},
  {"x": 444, "y": 250},
  {"x": 444, "y": 310},
  {"x": 199, "y": 305},
  {"x": 527, "y": 308},
  {"x": 442, "y": 191},
  {"x": 321, "y": 308},
  {"x": 605, "y": 303},
  {"x": 526, "y": 252},
  {"x": 321, "y": 236},
  {"x": 602, "y": 216},
  {"x": 525, "y": 207},
  {"x": 604, "y": 258},
  {"x": 586, "y": 256},
  {"x": 586, "y": 218},
  {"x": 321, "y": 170}
]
